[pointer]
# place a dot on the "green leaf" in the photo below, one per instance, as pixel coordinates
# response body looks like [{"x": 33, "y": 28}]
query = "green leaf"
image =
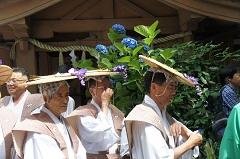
[
  {"x": 153, "y": 27},
  {"x": 119, "y": 46},
  {"x": 142, "y": 29},
  {"x": 167, "y": 53},
  {"x": 140, "y": 87},
  {"x": 135, "y": 64},
  {"x": 148, "y": 41},
  {"x": 136, "y": 50},
  {"x": 203, "y": 80},
  {"x": 124, "y": 59},
  {"x": 84, "y": 64},
  {"x": 106, "y": 62}
]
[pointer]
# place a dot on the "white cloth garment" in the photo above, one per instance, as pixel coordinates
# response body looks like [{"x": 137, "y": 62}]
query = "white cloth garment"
[
  {"x": 17, "y": 108},
  {"x": 2, "y": 145},
  {"x": 40, "y": 146},
  {"x": 98, "y": 134},
  {"x": 70, "y": 107},
  {"x": 152, "y": 142}
]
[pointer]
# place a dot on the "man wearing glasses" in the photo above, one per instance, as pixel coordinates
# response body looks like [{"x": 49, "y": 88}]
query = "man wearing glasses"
[
  {"x": 19, "y": 95},
  {"x": 99, "y": 123}
]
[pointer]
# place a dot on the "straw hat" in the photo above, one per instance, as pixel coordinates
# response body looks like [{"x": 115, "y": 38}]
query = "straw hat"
[
  {"x": 5, "y": 73},
  {"x": 67, "y": 76},
  {"x": 158, "y": 65}
]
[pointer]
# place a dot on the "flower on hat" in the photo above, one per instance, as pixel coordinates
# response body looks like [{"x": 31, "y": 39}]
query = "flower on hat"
[
  {"x": 118, "y": 28},
  {"x": 121, "y": 69},
  {"x": 102, "y": 48},
  {"x": 129, "y": 42},
  {"x": 195, "y": 82},
  {"x": 79, "y": 73}
]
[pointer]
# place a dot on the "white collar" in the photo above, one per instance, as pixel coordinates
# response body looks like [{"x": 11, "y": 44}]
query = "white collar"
[
  {"x": 96, "y": 105},
  {"x": 151, "y": 103}
]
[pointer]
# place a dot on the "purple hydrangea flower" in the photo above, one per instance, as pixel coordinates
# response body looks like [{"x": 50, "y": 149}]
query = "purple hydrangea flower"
[
  {"x": 129, "y": 42},
  {"x": 121, "y": 69},
  {"x": 118, "y": 28},
  {"x": 102, "y": 48},
  {"x": 79, "y": 73}
]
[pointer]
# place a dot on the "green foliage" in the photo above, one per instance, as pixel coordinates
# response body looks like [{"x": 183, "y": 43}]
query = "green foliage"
[{"x": 195, "y": 59}]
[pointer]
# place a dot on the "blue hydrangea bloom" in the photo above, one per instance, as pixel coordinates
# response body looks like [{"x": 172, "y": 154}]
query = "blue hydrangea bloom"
[
  {"x": 102, "y": 48},
  {"x": 146, "y": 48},
  {"x": 129, "y": 42},
  {"x": 119, "y": 28}
]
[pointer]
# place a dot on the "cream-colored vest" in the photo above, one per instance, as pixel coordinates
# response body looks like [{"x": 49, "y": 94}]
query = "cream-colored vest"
[
  {"x": 43, "y": 124},
  {"x": 90, "y": 110},
  {"x": 8, "y": 118},
  {"x": 144, "y": 113}
]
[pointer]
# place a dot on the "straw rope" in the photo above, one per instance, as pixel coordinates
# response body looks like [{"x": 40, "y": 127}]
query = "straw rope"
[{"x": 171, "y": 37}]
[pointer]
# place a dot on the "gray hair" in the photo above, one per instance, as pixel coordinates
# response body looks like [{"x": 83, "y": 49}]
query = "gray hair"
[{"x": 49, "y": 89}]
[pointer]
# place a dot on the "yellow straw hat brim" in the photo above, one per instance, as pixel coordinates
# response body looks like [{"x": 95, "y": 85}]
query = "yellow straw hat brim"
[
  {"x": 67, "y": 76},
  {"x": 5, "y": 73},
  {"x": 158, "y": 65}
]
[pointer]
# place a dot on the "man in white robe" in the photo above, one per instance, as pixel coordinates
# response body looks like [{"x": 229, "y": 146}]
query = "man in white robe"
[
  {"x": 47, "y": 133},
  {"x": 152, "y": 132},
  {"x": 99, "y": 123}
]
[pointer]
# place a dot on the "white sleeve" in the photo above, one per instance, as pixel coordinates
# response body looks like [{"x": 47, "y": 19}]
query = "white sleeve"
[
  {"x": 124, "y": 149},
  {"x": 190, "y": 153},
  {"x": 2, "y": 144},
  {"x": 40, "y": 146},
  {"x": 96, "y": 129},
  {"x": 148, "y": 143}
]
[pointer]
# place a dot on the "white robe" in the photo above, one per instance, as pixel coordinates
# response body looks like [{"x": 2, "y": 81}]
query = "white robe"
[
  {"x": 98, "y": 134},
  {"x": 152, "y": 144},
  {"x": 2, "y": 145},
  {"x": 17, "y": 108},
  {"x": 40, "y": 146},
  {"x": 70, "y": 107}
]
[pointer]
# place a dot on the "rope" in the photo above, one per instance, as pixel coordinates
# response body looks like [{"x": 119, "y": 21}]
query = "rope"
[
  {"x": 60, "y": 49},
  {"x": 171, "y": 37}
]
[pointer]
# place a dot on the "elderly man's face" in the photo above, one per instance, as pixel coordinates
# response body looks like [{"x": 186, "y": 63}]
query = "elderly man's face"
[{"x": 58, "y": 103}]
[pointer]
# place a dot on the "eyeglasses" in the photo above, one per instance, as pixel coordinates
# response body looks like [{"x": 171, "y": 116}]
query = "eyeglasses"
[{"x": 14, "y": 81}]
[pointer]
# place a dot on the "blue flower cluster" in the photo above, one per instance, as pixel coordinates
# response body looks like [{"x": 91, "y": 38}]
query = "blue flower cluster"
[
  {"x": 146, "y": 48},
  {"x": 121, "y": 69},
  {"x": 102, "y": 48},
  {"x": 80, "y": 73},
  {"x": 129, "y": 42},
  {"x": 119, "y": 28}
]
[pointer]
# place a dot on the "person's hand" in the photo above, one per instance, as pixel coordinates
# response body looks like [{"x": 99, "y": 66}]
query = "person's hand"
[
  {"x": 195, "y": 139},
  {"x": 176, "y": 129},
  {"x": 106, "y": 98}
]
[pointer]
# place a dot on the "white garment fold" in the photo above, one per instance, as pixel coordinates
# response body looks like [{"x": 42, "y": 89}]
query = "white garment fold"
[
  {"x": 40, "y": 146},
  {"x": 98, "y": 134}
]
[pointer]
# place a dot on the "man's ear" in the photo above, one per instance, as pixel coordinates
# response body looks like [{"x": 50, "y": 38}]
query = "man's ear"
[
  {"x": 45, "y": 98},
  {"x": 92, "y": 91}
]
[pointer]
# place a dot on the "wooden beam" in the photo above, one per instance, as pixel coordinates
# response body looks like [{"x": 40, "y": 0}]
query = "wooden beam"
[
  {"x": 19, "y": 28},
  {"x": 214, "y": 10},
  {"x": 137, "y": 9},
  {"x": 46, "y": 28},
  {"x": 83, "y": 7},
  {"x": 19, "y": 9}
]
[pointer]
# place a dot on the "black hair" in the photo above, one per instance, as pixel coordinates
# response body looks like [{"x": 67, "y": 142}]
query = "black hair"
[
  {"x": 228, "y": 72},
  {"x": 159, "y": 78},
  {"x": 92, "y": 82},
  {"x": 21, "y": 70}
]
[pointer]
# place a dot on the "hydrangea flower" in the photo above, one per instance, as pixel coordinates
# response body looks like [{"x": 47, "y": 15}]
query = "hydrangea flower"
[
  {"x": 129, "y": 42},
  {"x": 119, "y": 28},
  {"x": 146, "y": 48},
  {"x": 121, "y": 69},
  {"x": 102, "y": 48},
  {"x": 79, "y": 73}
]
